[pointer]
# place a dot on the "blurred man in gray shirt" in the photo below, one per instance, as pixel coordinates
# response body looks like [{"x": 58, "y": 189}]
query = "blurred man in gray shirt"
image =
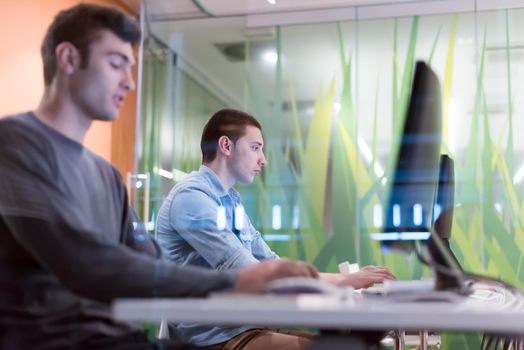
[{"x": 69, "y": 242}]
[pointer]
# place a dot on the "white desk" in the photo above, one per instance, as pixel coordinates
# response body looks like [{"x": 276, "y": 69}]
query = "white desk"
[{"x": 496, "y": 312}]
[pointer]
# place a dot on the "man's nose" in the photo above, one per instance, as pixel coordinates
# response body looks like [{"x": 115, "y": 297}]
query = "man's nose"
[
  {"x": 262, "y": 160},
  {"x": 128, "y": 83}
]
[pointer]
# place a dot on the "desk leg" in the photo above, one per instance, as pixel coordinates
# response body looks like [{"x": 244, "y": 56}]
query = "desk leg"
[
  {"x": 423, "y": 340},
  {"x": 163, "y": 330},
  {"x": 400, "y": 340}
]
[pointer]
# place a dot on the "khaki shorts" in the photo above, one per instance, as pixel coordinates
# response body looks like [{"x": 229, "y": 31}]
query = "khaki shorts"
[{"x": 264, "y": 339}]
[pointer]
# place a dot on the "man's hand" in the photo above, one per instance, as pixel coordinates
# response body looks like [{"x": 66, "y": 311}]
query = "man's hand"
[
  {"x": 368, "y": 276},
  {"x": 364, "y": 278},
  {"x": 253, "y": 279}
]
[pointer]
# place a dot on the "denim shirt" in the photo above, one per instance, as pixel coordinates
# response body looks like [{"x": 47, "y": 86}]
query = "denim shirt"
[{"x": 189, "y": 234}]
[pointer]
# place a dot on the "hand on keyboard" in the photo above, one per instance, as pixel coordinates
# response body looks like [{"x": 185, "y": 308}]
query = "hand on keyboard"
[{"x": 366, "y": 277}]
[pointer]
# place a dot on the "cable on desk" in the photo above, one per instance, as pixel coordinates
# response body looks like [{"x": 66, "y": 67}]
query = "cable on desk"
[
  {"x": 468, "y": 277},
  {"x": 489, "y": 341}
]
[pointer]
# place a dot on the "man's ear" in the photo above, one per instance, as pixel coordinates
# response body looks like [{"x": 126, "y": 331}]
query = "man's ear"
[
  {"x": 67, "y": 57},
  {"x": 224, "y": 145}
]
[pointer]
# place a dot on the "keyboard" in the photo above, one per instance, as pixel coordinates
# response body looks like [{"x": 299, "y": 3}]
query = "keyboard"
[
  {"x": 412, "y": 290},
  {"x": 303, "y": 285}
]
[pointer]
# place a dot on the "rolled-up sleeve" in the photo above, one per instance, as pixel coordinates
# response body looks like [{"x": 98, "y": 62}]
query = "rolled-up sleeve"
[{"x": 259, "y": 247}]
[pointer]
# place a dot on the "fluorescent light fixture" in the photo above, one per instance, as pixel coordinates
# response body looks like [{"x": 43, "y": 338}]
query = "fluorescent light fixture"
[
  {"x": 277, "y": 237},
  {"x": 377, "y": 215},
  {"x": 276, "y": 222},
  {"x": 239, "y": 217},
  {"x": 221, "y": 218},
  {"x": 295, "y": 221},
  {"x": 165, "y": 173},
  {"x": 270, "y": 56},
  {"x": 400, "y": 236},
  {"x": 174, "y": 174},
  {"x": 417, "y": 214},
  {"x": 178, "y": 175},
  {"x": 385, "y": 236},
  {"x": 396, "y": 215},
  {"x": 437, "y": 210},
  {"x": 272, "y": 2},
  {"x": 409, "y": 236}
]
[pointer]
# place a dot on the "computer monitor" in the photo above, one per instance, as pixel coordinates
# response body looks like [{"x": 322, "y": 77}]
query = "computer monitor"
[
  {"x": 409, "y": 209},
  {"x": 439, "y": 254},
  {"x": 443, "y": 209},
  {"x": 420, "y": 204}
]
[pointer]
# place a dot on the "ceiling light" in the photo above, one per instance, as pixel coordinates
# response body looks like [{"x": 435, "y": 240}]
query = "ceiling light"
[
  {"x": 270, "y": 56},
  {"x": 272, "y": 2},
  {"x": 165, "y": 173}
]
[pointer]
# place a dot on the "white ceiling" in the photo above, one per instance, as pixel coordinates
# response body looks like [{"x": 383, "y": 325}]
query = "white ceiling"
[
  {"x": 229, "y": 7},
  {"x": 227, "y": 21},
  {"x": 219, "y": 8},
  {"x": 178, "y": 9}
]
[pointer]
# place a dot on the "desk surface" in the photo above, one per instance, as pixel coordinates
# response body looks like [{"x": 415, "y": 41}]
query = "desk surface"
[{"x": 487, "y": 311}]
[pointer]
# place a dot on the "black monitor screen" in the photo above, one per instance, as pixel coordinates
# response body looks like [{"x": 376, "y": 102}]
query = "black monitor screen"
[
  {"x": 409, "y": 209},
  {"x": 444, "y": 200},
  {"x": 440, "y": 253}
]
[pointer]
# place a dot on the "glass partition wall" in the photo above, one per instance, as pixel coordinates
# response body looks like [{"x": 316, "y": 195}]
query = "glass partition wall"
[{"x": 331, "y": 98}]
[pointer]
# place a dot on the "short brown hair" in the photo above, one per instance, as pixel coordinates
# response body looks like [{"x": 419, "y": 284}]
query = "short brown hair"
[
  {"x": 226, "y": 122},
  {"x": 80, "y": 26}
]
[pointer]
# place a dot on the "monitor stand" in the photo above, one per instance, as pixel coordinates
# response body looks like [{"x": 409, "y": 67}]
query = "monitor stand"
[{"x": 449, "y": 275}]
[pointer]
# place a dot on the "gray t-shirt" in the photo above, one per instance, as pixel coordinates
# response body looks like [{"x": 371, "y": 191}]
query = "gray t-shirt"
[{"x": 69, "y": 243}]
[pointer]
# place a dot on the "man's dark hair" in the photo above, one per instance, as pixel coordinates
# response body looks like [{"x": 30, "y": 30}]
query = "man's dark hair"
[
  {"x": 80, "y": 25},
  {"x": 226, "y": 122}
]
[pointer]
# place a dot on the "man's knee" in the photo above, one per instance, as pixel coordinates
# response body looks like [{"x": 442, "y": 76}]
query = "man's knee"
[{"x": 277, "y": 340}]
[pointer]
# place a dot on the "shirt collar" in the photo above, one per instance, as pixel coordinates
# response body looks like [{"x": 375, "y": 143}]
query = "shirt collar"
[{"x": 216, "y": 185}]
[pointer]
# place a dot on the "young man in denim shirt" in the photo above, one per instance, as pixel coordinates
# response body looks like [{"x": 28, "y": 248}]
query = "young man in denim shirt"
[{"x": 195, "y": 227}]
